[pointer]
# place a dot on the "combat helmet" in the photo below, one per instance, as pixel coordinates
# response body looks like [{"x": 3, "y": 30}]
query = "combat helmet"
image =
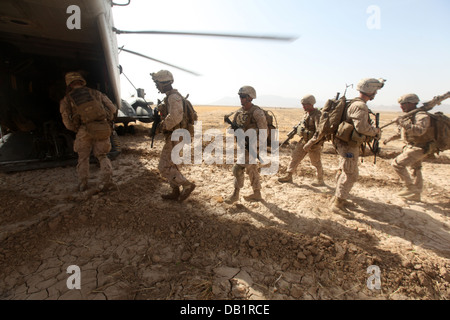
[
  {"x": 308, "y": 99},
  {"x": 409, "y": 98},
  {"x": 370, "y": 85},
  {"x": 74, "y": 76},
  {"x": 248, "y": 90},
  {"x": 162, "y": 76}
]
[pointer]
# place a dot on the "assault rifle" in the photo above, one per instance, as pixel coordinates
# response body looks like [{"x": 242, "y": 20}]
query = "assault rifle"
[
  {"x": 234, "y": 126},
  {"x": 375, "y": 147},
  {"x": 427, "y": 106},
  {"x": 291, "y": 134},
  {"x": 156, "y": 122}
]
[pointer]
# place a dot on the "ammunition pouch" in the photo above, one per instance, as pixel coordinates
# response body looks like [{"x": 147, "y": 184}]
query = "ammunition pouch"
[
  {"x": 305, "y": 134},
  {"x": 345, "y": 131},
  {"x": 358, "y": 138},
  {"x": 99, "y": 130}
]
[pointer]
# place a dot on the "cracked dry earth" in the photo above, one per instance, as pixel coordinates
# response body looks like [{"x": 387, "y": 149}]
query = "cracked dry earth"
[{"x": 130, "y": 244}]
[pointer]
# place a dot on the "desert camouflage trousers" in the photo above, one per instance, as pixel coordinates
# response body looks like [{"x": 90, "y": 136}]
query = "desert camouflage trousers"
[
  {"x": 314, "y": 155},
  {"x": 410, "y": 157},
  {"x": 348, "y": 169},
  {"x": 167, "y": 168},
  {"x": 252, "y": 170},
  {"x": 84, "y": 144}
]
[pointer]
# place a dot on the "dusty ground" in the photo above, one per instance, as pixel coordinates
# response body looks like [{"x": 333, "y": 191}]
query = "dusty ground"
[{"x": 129, "y": 244}]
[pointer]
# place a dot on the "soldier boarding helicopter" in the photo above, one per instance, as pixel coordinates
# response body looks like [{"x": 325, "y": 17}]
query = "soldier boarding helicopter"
[{"x": 39, "y": 42}]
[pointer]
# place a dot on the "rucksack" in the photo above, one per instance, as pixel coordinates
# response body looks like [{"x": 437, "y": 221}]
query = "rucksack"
[
  {"x": 441, "y": 124},
  {"x": 271, "y": 124},
  {"x": 189, "y": 111},
  {"x": 332, "y": 116}
]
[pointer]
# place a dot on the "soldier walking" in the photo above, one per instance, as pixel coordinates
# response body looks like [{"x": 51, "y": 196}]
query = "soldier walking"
[
  {"x": 249, "y": 117},
  {"x": 89, "y": 113},
  {"x": 356, "y": 118},
  {"x": 418, "y": 134},
  {"x": 306, "y": 131},
  {"x": 172, "y": 116}
]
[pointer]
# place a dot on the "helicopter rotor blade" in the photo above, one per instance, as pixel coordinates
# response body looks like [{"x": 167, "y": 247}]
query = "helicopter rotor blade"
[
  {"x": 243, "y": 36},
  {"x": 159, "y": 61}
]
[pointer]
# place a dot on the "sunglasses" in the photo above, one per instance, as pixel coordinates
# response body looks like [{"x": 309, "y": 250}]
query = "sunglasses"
[{"x": 243, "y": 96}]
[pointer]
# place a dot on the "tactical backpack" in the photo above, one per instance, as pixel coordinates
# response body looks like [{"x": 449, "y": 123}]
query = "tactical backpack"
[
  {"x": 332, "y": 115},
  {"x": 271, "y": 124},
  {"x": 189, "y": 115},
  {"x": 441, "y": 124}
]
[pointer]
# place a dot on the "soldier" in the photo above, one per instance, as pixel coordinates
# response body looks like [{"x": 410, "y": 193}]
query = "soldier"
[
  {"x": 89, "y": 113},
  {"x": 171, "y": 118},
  {"x": 356, "y": 118},
  {"x": 248, "y": 117},
  {"x": 418, "y": 134},
  {"x": 306, "y": 131}
]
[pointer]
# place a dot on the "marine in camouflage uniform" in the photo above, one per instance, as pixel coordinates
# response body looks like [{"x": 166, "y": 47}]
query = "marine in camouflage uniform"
[
  {"x": 357, "y": 117},
  {"x": 418, "y": 134},
  {"x": 306, "y": 131},
  {"x": 85, "y": 141},
  {"x": 172, "y": 115},
  {"x": 246, "y": 118}
]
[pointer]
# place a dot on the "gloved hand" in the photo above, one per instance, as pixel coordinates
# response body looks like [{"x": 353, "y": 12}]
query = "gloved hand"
[
  {"x": 159, "y": 128},
  {"x": 307, "y": 147},
  {"x": 378, "y": 135}
]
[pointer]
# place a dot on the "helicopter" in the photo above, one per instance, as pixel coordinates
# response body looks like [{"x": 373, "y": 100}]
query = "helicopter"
[{"x": 42, "y": 40}]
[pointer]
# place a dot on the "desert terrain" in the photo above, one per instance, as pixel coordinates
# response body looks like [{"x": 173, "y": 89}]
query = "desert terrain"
[{"x": 131, "y": 245}]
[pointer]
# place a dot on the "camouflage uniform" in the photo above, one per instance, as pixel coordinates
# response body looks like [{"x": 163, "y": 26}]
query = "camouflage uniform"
[
  {"x": 172, "y": 116},
  {"x": 85, "y": 143},
  {"x": 419, "y": 135},
  {"x": 357, "y": 114},
  {"x": 254, "y": 118},
  {"x": 306, "y": 132}
]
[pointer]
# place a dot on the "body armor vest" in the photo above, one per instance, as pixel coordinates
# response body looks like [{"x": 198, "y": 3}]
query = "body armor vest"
[
  {"x": 86, "y": 106},
  {"x": 420, "y": 141}
]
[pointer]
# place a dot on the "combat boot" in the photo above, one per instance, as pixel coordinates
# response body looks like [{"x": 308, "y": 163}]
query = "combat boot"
[
  {"x": 187, "y": 190},
  {"x": 173, "y": 195},
  {"x": 413, "y": 197},
  {"x": 339, "y": 206},
  {"x": 233, "y": 198},
  {"x": 256, "y": 196},
  {"x": 318, "y": 183},
  {"x": 407, "y": 191},
  {"x": 286, "y": 178}
]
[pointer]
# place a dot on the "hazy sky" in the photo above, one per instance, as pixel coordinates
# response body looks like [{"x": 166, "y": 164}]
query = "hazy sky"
[{"x": 339, "y": 42}]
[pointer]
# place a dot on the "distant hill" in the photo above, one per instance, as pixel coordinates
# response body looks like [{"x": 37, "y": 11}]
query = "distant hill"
[
  {"x": 262, "y": 101},
  {"x": 286, "y": 102}
]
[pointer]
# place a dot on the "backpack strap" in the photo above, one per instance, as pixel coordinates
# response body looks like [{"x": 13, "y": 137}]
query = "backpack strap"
[{"x": 251, "y": 118}]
